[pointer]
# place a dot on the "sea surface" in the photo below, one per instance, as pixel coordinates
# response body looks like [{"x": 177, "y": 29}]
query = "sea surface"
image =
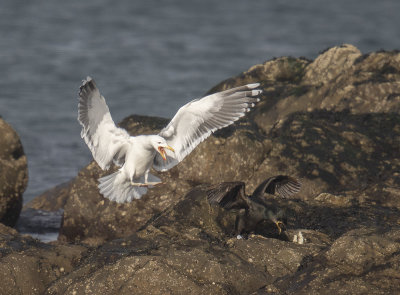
[{"x": 150, "y": 57}]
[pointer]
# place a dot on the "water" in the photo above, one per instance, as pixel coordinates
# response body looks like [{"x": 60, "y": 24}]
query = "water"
[{"x": 150, "y": 57}]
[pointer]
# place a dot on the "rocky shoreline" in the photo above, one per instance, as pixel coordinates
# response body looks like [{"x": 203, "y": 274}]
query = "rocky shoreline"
[{"x": 334, "y": 123}]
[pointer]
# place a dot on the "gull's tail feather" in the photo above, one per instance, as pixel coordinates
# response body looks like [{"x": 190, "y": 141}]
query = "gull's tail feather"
[{"x": 118, "y": 189}]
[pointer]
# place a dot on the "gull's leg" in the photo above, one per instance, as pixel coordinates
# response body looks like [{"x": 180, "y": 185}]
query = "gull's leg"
[
  {"x": 138, "y": 183},
  {"x": 146, "y": 182},
  {"x": 146, "y": 179}
]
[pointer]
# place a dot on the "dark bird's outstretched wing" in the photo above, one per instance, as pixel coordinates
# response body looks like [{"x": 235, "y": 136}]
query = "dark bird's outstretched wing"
[
  {"x": 285, "y": 186},
  {"x": 228, "y": 195}
]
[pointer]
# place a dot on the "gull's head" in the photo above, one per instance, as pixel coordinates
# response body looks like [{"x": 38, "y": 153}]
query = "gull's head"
[{"x": 160, "y": 144}]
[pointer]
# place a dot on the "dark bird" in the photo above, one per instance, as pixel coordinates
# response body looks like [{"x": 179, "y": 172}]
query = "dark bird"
[{"x": 251, "y": 209}]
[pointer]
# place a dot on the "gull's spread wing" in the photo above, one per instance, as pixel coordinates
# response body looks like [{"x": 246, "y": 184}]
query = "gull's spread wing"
[
  {"x": 106, "y": 141},
  {"x": 196, "y": 120}
]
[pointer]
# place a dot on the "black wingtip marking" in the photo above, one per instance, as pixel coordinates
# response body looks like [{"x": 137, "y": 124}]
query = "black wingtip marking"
[{"x": 87, "y": 86}]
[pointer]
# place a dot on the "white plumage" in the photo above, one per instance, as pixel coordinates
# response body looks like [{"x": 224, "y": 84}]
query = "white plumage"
[{"x": 191, "y": 125}]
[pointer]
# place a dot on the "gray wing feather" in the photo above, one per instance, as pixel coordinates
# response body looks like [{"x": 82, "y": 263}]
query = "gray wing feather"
[
  {"x": 105, "y": 140},
  {"x": 196, "y": 120}
]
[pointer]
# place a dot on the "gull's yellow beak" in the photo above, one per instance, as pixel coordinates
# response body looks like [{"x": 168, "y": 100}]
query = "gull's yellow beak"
[
  {"x": 170, "y": 148},
  {"x": 161, "y": 150}
]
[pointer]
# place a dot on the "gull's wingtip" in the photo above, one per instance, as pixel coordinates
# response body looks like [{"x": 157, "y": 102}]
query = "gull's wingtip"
[
  {"x": 88, "y": 85},
  {"x": 87, "y": 80}
]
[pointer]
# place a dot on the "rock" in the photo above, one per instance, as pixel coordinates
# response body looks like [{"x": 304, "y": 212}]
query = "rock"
[
  {"x": 51, "y": 200},
  {"x": 13, "y": 174},
  {"x": 334, "y": 151},
  {"x": 186, "y": 250},
  {"x": 331, "y": 63},
  {"x": 231, "y": 154},
  {"x": 42, "y": 216},
  {"x": 28, "y": 266},
  {"x": 339, "y": 79},
  {"x": 340, "y": 89},
  {"x": 363, "y": 261}
]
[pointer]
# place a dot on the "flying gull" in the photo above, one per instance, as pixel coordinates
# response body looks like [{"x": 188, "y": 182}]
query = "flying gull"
[{"x": 191, "y": 125}]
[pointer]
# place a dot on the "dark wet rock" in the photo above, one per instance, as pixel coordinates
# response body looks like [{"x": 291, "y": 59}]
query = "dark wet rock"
[
  {"x": 28, "y": 266},
  {"x": 187, "y": 249},
  {"x": 13, "y": 174}
]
